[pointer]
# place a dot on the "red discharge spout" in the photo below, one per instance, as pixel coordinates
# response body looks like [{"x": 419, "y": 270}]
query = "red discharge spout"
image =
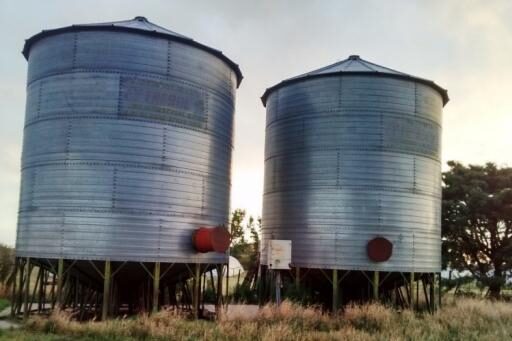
[
  {"x": 208, "y": 239},
  {"x": 379, "y": 249}
]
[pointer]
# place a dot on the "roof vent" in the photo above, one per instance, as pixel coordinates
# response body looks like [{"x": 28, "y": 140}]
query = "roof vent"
[
  {"x": 353, "y": 57},
  {"x": 141, "y": 19}
]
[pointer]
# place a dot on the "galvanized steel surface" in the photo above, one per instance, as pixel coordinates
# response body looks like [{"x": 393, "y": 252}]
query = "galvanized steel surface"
[
  {"x": 127, "y": 147},
  {"x": 351, "y": 157}
]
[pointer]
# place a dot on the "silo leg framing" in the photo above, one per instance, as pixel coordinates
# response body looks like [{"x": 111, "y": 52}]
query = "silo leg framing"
[
  {"x": 375, "y": 285},
  {"x": 60, "y": 282},
  {"x": 335, "y": 287},
  {"x": 13, "y": 293},
  {"x": 99, "y": 288},
  {"x": 156, "y": 286},
  {"x": 27, "y": 288},
  {"x": 106, "y": 291}
]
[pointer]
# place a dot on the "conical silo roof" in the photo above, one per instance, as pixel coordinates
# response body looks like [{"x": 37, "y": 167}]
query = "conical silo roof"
[
  {"x": 138, "y": 24},
  {"x": 355, "y": 65}
]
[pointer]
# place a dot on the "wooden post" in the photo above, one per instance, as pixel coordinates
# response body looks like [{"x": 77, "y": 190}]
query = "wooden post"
[
  {"x": 376, "y": 285},
  {"x": 411, "y": 297},
  {"x": 334, "y": 291},
  {"x": 106, "y": 290},
  {"x": 60, "y": 281},
  {"x": 156, "y": 286},
  {"x": 297, "y": 277},
  {"x": 27, "y": 289}
]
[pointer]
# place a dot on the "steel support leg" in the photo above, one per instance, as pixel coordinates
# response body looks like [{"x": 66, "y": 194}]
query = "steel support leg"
[
  {"x": 26, "y": 295},
  {"x": 106, "y": 290},
  {"x": 60, "y": 282},
  {"x": 439, "y": 290},
  {"x": 334, "y": 291},
  {"x": 376, "y": 285},
  {"x": 218, "y": 303},
  {"x": 156, "y": 286},
  {"x": 13, "y": 296},
  {"x": 197, "y": 289},
  {"x": 411, "y": 288},
  {"x": 433, "y": 300}
]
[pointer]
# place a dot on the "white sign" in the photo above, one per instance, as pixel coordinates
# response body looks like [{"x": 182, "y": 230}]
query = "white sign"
[{"x": 279, "y": 254}]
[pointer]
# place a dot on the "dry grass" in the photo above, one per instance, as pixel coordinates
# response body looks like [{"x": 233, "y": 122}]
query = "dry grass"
[{"x": 465, "y": 319}]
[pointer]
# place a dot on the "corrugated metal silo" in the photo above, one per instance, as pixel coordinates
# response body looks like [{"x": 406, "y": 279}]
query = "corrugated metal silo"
[
  {"x": 353, "y": 153},
  {"x": 127, "y": 144}
]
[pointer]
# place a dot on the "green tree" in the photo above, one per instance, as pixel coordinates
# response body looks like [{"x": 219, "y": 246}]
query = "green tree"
[
  {"x": 236, "y": 227},
  {"x": 477, "y": 222},
  {"x": 6, "y": 262},
  {"x": 241, "y": 227}
]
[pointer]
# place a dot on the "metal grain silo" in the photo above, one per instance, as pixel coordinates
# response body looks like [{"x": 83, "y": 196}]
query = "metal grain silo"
[
  {"x": 127, "y": 147},
  {"x": 353, "y": 173}
]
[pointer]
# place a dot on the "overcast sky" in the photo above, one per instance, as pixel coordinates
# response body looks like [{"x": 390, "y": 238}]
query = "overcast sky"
[{"x": 465, "y": 46}]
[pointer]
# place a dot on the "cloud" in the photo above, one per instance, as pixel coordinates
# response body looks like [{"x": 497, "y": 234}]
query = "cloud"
[{"x": 465, "y": 46}]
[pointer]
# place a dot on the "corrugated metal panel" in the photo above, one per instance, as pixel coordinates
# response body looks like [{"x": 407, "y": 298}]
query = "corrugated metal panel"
[
  {"x": 349, "y": 158},
  {"x": 139, "y": 27},
  {"x": 127, "y": 147},
  {"x": 354, "y": 65}
]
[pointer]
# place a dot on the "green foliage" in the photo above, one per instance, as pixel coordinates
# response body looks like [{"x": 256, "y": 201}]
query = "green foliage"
[
  {"x": 6, "y": 263},
  {"x": 244, "y": 249},
  {"x": 236, "y": 227},
  {"x": 477, "y": 222}
]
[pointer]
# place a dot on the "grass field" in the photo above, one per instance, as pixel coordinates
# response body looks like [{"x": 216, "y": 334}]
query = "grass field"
[{"x": 464, "y": 319}]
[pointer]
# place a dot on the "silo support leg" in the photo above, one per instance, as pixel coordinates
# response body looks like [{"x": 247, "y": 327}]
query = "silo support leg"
[
  {"x": 218, "y": 303},
  {"x": 335, "y": 287},
  {"x": 197, "y": 288},
  {"x": 376, "y": 285},
  {"x": 13, "y": 281},
  {"x": 433, "y": 300},
  {"x": 226, "y": 300},
  {"x": 26, "y": 295},
  {"x": 439, "y": 290},
  {"x": 156, "y": 286},
  {"x": 60, "y": 281},
  {"x": 106, "y": 291},
  {"x": 411, "y": 288}
]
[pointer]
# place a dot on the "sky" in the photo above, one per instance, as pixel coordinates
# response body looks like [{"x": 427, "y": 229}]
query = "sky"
[{"x": 464, "y": 46}]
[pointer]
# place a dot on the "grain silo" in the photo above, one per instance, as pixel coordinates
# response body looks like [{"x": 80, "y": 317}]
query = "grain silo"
[
  {"x": 126, "y": 155},
  {"x": 353, "y": 179}
]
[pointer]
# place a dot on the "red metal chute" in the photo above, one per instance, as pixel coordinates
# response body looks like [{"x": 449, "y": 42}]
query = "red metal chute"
[
  {"x": 208, "y": 239},
  {"x": 379, "y": 249}
]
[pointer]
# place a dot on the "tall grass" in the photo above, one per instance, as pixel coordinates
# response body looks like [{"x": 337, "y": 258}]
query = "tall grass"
[{"x": 465, "y": 319}]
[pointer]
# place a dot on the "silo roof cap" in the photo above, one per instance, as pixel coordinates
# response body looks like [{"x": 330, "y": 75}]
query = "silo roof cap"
[
  {"x": 140, "y": 25},
  {"x": 356, "y": 66}
]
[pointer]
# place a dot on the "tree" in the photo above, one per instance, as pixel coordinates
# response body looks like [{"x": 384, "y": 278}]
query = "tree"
[
  {"x": 477, "y": 222},
  {"x": 236, "y": 227},
  {"x": 241, "y": 226}
]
